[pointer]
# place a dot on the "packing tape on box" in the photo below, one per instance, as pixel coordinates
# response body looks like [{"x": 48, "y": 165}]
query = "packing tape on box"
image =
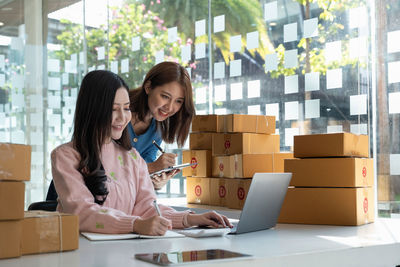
[
  {"x": 221, "y": 166},
  {"x": 236, "y": 167},
  {"x": 225, "y": 123},
  {"x": 49, "y": 231}
]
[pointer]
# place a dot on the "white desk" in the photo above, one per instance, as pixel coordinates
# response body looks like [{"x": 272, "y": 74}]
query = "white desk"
[{"x": 376, "y": 244}]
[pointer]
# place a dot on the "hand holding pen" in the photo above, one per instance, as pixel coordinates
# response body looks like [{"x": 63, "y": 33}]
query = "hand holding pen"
[{"x": 164, "y": 161}]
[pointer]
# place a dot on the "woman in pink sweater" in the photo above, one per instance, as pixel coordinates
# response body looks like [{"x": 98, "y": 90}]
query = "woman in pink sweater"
[{"x": 101, "y": 178}]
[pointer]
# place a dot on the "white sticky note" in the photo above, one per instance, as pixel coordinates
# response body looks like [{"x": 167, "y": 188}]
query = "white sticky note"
[
  {"x": 201, "y": 95},
  {"x": 290, "y": 32},
  {"x": 271, "y": 62},
  {"x": 13, "y": 121},
  {"x": 54, "y": 101},
  {"x": 74, "y": 58},
  {"x": 333, "y": 51},
  {"x": 36, "y": 138},
  {"x": 394, "y": 164},
  {"x": 172, "y": 34},
  {"x": 136, "y": 43},
  {"x": 289, "y": 135},
  {"x": 74, "y": 92},
  {"x": 200, "y": 50},
  {"x": 125, "y": 65},
  {"x": 253, "y": 89},
  {"x": 252, "y": 40},
  {"x": 235, "y": 43},
  {"x": 358, "y": 47},
  {"x": 69, "y": 101},
  {"x": 393, "y": 42},
  {"x": 271, "y": 11},
  {"x": 186, "y": 53},
  {"x": 358, "y": 104},
  {"x": 65, "y": 93},
  {"x": 219, "y": 70},
  {"x": 101, "y": 67},
  {"x": 81, "y": 58},
  {"x": 54, "y": 83},
  {"x": 17, "y": 81},
  {"x": 7, "y": 107},
  {"x": 334, "y": 129},
  {"x": 291, "y": 59},
  {"x": 272, "y": 110},
  {"x": 394, "y": 72},
  {"x": 159, "y": 56},
  {"x": 220, "y": 92},
  {"x": 18, "y": 137},
  {"x": 65, "y": 78},
  {"x": 235, "y": 68},
  {"x": 236, "y": 91},
  {"x": 200, "y": 28},
  {"x": 291, "y": 84},
  {"x": 361, "y": 128},
  {"x": 312, "y": 109},
  {"x": 254, "y": 110},
  {"x": 2, "y": 62},
  {"x": 334, "y": 79},
  {"x": 17, "y": 44},
  {"x": 2, "y": 79},
  {"x": 358, "y": 17},
  {"x": 17, "y": 101},
  {"x": 292, "y": 110},
  {"x": 70, "y": 67},
  {"x": 310, "y": 28},
  {"x": 101, "y": 51},
  {"x": 394, "y": 103},
  {"x": 219, "y": 23},
  {"x": 53, "y": 65},
  {"x": 311, "y": 81},
  {"x": 189, "y": 71},
  {"x": 36, "y": 101},
  {"x": 114, "y": 66},
  {"x": 36, "y": 119}
]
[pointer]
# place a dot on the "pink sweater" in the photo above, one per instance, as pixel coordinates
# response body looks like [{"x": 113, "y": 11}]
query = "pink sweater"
[{"x": 130, "y": 189}]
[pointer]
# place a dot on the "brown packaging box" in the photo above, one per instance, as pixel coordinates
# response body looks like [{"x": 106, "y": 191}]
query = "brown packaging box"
[
  {"x": 204, "y": 123},
  {"x": 331, "y": 172},
  {"x": 10, "y": 239},
  {"x": 203, "y": 159},
  {"x": 218, "y": 192},
  {"x": 335, "y": 206},
  {"x": 238, "y": 123},
  {"x": 15, "y": 162},
  {"x": 44, "y": 231},
  {"x": 12, "y": 200},
  {"x": 244, "y": 166},
  {"x": 237, "y": 190},
  {"x": 331, "y": 145},
  {"x": 198, "y": 190},
  {"x": 200, "y": 141},
  {"x": 244, "y": 143}
]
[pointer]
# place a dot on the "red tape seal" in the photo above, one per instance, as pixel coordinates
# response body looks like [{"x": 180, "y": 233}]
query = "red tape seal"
[
  {"x": 240, "y": 193},
  {"x": 197, "y": 190}
]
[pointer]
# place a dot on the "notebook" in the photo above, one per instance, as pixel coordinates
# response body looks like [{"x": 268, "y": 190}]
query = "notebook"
[{"x": 105, "y": 237}]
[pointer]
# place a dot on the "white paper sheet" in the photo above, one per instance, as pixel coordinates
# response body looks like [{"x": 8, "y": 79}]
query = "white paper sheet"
[
  {"x": 271, "y": 11},
  {"x": 200, "y": 50},
  {"x": 333, "y": 51},
  {"x": 186, "y": 53},
  {"x": 236, "y": 91},
  {"x": 53, "y": 65},
  {"x": 334, "y": 129},
  {"x": 394, "y": 72},
  {"x": 172, "y": 34},
  {"x": 200, "y": 28},
  {"x": 291, "y": 59},
  {"x": 235, "y": 68},
  {"x": 220, "y": 92},
  {"x": 334, "y": 79},
  {"x": 361, "y": 128},
  {"x": 252, "y": 40},
  {"x": 291, "y": 84},
  {"x": 394, "y": 164},
  {"x": 358, "y": 47},
  {"x": 312, "y": 109},
  {"x": 394, "y": 103},
  {"x": 101, "y": 53},
  {"x": 219, "y": 70},
  {"x": 310, "y": 28},
  {"x": 125, "y": 65},
  {"x": 271, "y": 62},
  {"x": 358, "y": 104},
  {"x": 292, "y": 110},
  {"x": 219, "y": 23},
  {"x": 311, "y": 81},
  {"x": 254, "y": 110},
  {"x": 253, "y": 89},
  {"x": 272, "y": 110},
  {"x": 290, "y": 32},
  {"x": 201, "y": 95},
  {"x": 289, "y": 135},
  {"x": 114, "y": 66},
  {"x": 54, "y": 101},
  {"x": 136, "y": 43},
  {"x": 235, "y": 43},
  {"x": 159, "y": 56}
]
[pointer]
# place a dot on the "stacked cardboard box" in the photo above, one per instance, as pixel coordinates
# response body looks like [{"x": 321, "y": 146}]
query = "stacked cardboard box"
[
  {"x": 332, "y": 181},
  {"x": 229, "y": 149}
]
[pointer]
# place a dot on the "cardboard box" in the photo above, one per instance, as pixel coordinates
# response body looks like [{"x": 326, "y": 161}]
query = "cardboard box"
[
  {"x": 331, "y": 145},
  {"x": 44, "y": 231},
  {"x": 204, "y": 123},
  {"x": 237, "y": 190},
  {"x": 218, "y": 192},
  {"x": 244, "y": 143},
  {"x": 244, "y": 166},
  {"x": 334, "y": 206},
  {"x": 15, "y": 162},
  {"x": 203, "y": 160},
  {"x": 200, "y": 141},
  {"x": 238, "y": 123},
  {"x": 198, "y": 190},
  {"x": 12, "y": 200},
  {"x": 331, "y": 172},
  {"x": 10, "y": 239}
]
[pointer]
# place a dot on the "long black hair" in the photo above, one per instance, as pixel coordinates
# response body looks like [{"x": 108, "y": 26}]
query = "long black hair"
[{"x": 92, "y": 127}]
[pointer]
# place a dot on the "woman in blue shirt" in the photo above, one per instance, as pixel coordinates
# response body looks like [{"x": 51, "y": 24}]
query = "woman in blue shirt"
[{"x": 162, "y": 110}]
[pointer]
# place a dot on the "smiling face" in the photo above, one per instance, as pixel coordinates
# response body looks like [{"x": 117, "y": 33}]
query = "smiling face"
[
  {"x": 165, "y": 100},
  {"x": 121, "y": 113}
]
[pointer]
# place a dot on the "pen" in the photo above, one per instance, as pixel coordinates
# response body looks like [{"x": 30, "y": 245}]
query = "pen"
[
  {"x": 157, "y": 146},
  {"x": 156, "y": 207}
]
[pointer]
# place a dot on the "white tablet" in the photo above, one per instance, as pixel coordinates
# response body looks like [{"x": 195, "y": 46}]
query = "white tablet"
[{"x": 176, "y": 167}]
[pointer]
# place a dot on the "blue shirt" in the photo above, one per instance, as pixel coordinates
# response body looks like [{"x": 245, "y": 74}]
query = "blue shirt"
[{"x": 144, "y": 143}]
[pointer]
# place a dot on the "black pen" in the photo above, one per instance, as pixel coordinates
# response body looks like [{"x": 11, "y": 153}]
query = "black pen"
[{"x": 157, "y": 146}]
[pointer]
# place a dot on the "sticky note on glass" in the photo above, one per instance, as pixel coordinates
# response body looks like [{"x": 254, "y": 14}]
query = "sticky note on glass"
[
  {"x": 201, "y": 95},
  {"x": 358, "y": 47},
  {"x": 219, "y": 70},
  {"x": 290, "y": 32},
  {"x": 220, "y": 92},
  {"x": 114, "y": 66},
  {"x": 54, "y": 83},
  {"x": 272, "y": 110},
  {"x": 200, "y": 28},
  {"x": 361, "y": 128},
  {"x": 253, "y": 89},
  {"x": 291, "y": 84},
  {"x": 54, "y": 101},
  {"x": 334, "y": 129},
  {"x": 81, "y": 58},
  {"x": 252, "y": 40},
  {"x": 394, "y": 72},
  {"x": 70, "y": 67},
  {"x": 312, "y": 109},
  {"x": 235, "y": 68},
  {"x": 271, "y": 11},
  {"x": 271, "y": 62},
  {"x": 310, "y": 28},
  {"x": 358, "y": 17},
  {"x": 200, "y": 50},
  {"x": 186, "y": 53},
  {"x": 235, "y": 43},
  {"x": 159, "y": 56},
  {"x": 236, "y": 91},
  {"x": 254, "y": 110},
  {"x": 124, "y": 65},
  {"x": 17, "y": 100},
  {"x": 291, "y": 59},
  {"x": 219, "y": 23},
  {"x": 289, "y": 135},
  {"x": 311, "y": 81},
  {"x": 393, "y": 42},
  {"x": 172, "y": 34},
  {"x": 136, "y": 43},
  {"x": 358, "y": 104},
  {"x": 394, "y": 164},
  {"x": 334, "y": 79},
  {"x": 65, "y": 78},
  {"x": 100, "y": 53},
  {"x": 394, "y": 100},
  {"x": 292, "y": 110},
  {"x": 333, "y": 51},
  {"x": 53, "y": 65}
]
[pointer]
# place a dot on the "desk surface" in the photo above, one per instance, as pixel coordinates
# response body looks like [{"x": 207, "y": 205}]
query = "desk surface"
[{"x": 376, "y": 244}]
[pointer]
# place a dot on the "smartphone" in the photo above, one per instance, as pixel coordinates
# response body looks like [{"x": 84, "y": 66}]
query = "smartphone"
[
  {"x": 176, "y": 167},
  {"x": 192, "y": 256}
]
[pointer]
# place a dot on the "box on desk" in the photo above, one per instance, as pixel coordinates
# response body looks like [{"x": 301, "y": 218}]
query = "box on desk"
[
  {"x": 203, "y": 160},
  {"x": 334, "y": 206},
  {"x": 10, "y": 239},
  {"x": 200, "y": 141},
  {"x": 331, "y": 172},
  {"x": 244, "y": 143},
  {"x": 12, "y": 200},
  {"x": 331, "y": 145},
  {"x": 237, "y": 190},
  {"x": 204, "y": 123},
  {"x": 44, "y": 231},
  {"x": 218, "y": 192},
  {"x": 15, "y": 162},
  {"x": 198, "y": 190},
  {"x": 238, "y": 123}
]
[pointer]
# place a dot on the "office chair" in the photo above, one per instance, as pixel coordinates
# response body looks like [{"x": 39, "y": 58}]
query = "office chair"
[{"x": 50, "y": 204}]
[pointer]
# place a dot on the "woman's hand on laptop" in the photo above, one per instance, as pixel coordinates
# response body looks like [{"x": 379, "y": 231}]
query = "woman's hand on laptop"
[{"x": 210, "y": 218}]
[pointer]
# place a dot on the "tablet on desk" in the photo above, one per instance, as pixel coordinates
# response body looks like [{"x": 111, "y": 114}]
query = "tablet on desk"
[
  {"x": 187, "y": 257},
  {"x": 176, "y": 167}
]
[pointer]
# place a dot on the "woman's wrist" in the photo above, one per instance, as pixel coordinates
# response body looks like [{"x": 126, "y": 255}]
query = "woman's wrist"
[
  {"x": 151, "y": 167},
  {"x": 186, "y": 219}
]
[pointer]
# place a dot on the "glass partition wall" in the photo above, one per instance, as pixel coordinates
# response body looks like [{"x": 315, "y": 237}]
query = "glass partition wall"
[{"x": 318, "y": 66}]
